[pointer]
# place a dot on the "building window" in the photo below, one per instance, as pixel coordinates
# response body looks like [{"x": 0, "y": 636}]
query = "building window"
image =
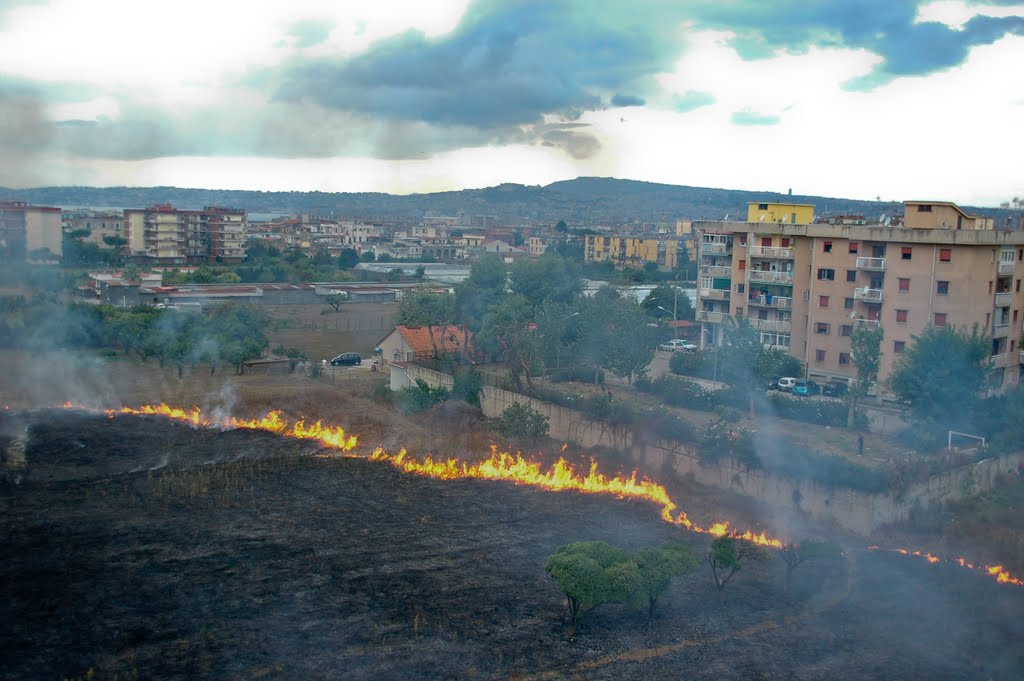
[
  {"x": 823, "y": 301},
  {"x": 762, "y": 206},
  {"x": 945, "y": 254},
  {"x": 846, "y": 330},
  {"x": 826, "y": 274},
  {"x": 924, "y": 209},
  {"x": 819, "y": 355},
  {"x": 785, "y": 242},
  {"x": 821, "y": 327},
  {"x": 1016, "y": 288},
  {"x": 828, "y": 247},
  {"x": 1013, "y": 344},
  {"x": 740, "y": 288},
  {"x": 853, "y": 247},
  {"x": 743, "y": 239},
  {"x": 942, "y": 288},
  {"x": 940, "y": 319},
  {"x": 848, "y": 303},
  {"x": 766, "y": 242},
  {"x": 742, "y": 265},
  {"x": 905, "y": 252},
  {"x": 851, "y": 275},
  {"x": 844, "y": 358},
  {"x": 897, "y": 346},
  {"x": 904, "y": 284},
  {"x": 901, "y": 316},
  {"x": 1015, "y": 316}
]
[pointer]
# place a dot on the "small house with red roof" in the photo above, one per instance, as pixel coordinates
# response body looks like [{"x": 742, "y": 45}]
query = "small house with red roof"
[{"x": 407, "y": 343}]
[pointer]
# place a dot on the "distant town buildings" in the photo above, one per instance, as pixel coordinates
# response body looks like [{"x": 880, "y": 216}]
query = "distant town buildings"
[
  {"x": 636, "y": 251},
  {"x": 29, "y": 233},
  {"x": 162, "y": 234},
  {"x": 806, "y": 285}
]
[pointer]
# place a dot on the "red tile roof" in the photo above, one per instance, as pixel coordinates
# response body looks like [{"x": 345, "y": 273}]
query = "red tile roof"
[{"x": 446, "y": 338}]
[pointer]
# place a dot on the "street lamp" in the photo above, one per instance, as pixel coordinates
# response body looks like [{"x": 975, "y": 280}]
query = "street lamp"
[{"x": 675, "y": 328}]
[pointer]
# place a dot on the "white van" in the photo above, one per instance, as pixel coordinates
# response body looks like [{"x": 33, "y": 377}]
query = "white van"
[{"x": 786, "y": 384}]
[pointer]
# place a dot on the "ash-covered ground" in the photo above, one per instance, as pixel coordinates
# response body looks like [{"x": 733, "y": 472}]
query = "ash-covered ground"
[{"x": 140, "y": 548}]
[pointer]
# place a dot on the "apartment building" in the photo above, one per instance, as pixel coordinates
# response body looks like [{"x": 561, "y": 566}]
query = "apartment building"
[
  {"x": 29, "y": 233},
  {"x": 805, "y": 287},
  {"x": 634, "y": 251},
  {"x": 99, "y": 224},
  {"x": 166, "y": 235}
]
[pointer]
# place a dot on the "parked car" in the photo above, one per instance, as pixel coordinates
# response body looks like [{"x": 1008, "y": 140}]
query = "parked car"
[
  {"x": 676, "y": 344},
  {"x": 806, "y": 389},
  {"x": 834, "y": 389},
  {"x": 786, "y": 383},
  {"x": 347, "y": 359},
  {"x": 773, "y": 383}
]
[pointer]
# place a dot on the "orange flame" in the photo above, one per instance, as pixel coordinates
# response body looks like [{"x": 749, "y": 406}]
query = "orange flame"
[
  {"x": 997, "y": 571},
  {"x": 328, "y": 436},
  {"x": 562, "y": 475}
]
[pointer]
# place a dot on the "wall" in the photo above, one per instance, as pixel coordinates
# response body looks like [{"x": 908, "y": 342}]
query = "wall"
[{"x": 858, "y": 512}]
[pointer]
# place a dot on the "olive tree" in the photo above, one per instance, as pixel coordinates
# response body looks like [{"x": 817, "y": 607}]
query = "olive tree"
[
  {"x": 796, "y": 554},
  {"x": 728, "y": 554}
]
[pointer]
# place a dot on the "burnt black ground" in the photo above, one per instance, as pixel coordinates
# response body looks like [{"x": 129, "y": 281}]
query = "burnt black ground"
[{"x": 274, "y": 564}]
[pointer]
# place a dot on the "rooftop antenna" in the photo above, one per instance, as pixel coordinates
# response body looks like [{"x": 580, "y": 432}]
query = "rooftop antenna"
[{"x": 726, "y": 218}]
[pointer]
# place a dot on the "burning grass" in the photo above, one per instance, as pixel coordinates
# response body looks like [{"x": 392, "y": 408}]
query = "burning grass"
[{"x": 270, "y": 561}]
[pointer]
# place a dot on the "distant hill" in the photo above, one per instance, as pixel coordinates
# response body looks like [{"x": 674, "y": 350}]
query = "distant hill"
[{"x": 583, "y": 201}]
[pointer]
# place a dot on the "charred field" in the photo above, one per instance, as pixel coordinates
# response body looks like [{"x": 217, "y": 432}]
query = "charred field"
[{"x": 137, "y": 547}]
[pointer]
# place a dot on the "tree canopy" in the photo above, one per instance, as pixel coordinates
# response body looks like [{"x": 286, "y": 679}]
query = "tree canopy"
[
  {"x": 728, "y": 555},
  {"x": 593, "y": 573},
  {"x": 939, "y": 376}
]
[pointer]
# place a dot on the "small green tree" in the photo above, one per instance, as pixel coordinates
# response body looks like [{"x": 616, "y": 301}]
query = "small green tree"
[
  {"x": 348, "y": 258},
  {"x": 728, "y": 554},
  {"x": 656, "y": 566},
  {"x": 522, "y": 421},
  {"x": 866, "y": 353},
  {"x": 582, "y": 571},
  {"x": 336, "y": 300},
  {"x": 796, "y": 555}
]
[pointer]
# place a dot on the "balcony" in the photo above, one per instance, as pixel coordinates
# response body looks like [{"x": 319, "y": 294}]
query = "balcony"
[
  {"x": 868, "y": 295},
  {"x": 714, "y": 294},
  {"x": 770, "y": 277},
  {"x": 872, "y": 264},
  {"x": 712, "y": 317},
  {"x": 710, "y": 248},
  {"x": 1006, "y": 267},
  {"x": 1004, "y": 299},
  {"x": 774, "y": 325},
  {"x": 716, "y": 271},
  {"x": 998, "y": 361},
  {"x": 770, "y": 252},
  {"x": 777, "y": 302},
  {"x": 1000, "y": 329}
]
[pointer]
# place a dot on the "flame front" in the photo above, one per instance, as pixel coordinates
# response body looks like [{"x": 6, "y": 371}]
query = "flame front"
[
  {"x": 328, "y": 436},
  {"x": 1000, "y": 574},
  {"x": 560, "y": 476}
]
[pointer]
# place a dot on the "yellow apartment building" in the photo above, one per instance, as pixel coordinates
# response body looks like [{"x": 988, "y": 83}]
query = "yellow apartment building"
[
  {"x": 634, "y": 251},
  {"x": 783, "y": 213},
  {"x": 806, "y": 286},
  {"x": 27, "y": 232}
]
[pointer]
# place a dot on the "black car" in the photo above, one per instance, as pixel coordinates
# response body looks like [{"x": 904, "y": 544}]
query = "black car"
[
  {"x": 347, "y": 359},
  {"x": 834, "y": 389}
]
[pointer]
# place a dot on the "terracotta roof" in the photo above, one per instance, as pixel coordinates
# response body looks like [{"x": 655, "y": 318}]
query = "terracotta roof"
[{"x": 449, "y": 338}]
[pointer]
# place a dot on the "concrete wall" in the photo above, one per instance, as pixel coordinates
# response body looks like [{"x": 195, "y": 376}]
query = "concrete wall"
[{"x": 858, "y": 512}]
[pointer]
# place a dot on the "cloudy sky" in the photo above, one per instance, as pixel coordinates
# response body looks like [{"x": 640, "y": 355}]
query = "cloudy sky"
[{"x": 852, "y": 98}]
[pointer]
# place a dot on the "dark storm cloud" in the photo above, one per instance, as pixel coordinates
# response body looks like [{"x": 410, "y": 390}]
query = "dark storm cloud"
[
  {"x": 885, "y": 27},
  {"x": 505, "y": 67},
  {"x": 628, "y": 100}
]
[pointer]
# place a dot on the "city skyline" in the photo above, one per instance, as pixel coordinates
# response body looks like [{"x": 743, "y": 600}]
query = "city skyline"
[{"x": 861, "y": 99}]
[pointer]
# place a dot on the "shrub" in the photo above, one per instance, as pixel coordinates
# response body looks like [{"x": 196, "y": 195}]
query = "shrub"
[
  {"x": 420, "y": 397},
  {"x": 522, "y": 421},
  {"x": 468, "y": 384},
  {"x": 577, "y": 374}
]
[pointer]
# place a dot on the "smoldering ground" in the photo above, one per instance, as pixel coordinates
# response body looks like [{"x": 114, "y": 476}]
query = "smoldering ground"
[{"x": 305, "y": 567}]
